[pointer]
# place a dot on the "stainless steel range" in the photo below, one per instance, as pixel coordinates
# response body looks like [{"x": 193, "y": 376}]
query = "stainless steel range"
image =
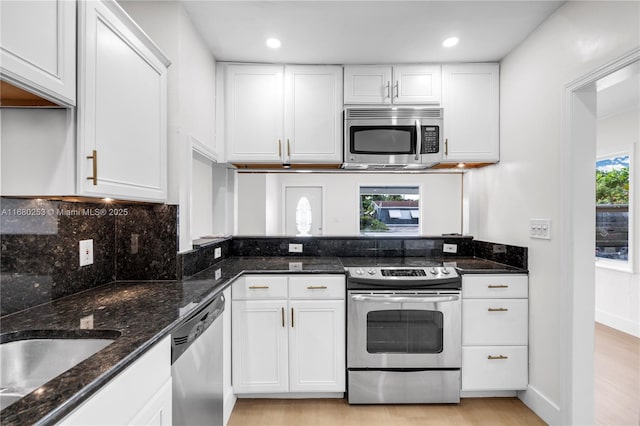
[{"x": 403, "y": 334}]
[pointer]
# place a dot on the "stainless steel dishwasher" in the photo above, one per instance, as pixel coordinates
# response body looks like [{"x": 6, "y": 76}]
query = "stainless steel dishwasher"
[{"x": 196, "y": 367}]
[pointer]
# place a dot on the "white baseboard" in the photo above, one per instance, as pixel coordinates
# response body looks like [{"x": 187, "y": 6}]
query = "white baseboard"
[
  {"x": 621, "y": 324},
  {"x": 293, "y": 395},
  {"x": 487, "y": 394},
  {"x": 229, "y": 403},
  {"x": 546, "y": 409}
]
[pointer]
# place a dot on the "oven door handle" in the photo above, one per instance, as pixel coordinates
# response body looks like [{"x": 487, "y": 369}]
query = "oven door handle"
[{"x": 403, "y": 299}]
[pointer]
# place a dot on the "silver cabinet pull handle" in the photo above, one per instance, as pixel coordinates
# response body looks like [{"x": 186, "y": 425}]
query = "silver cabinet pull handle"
[
  {"x": 497, "y": 309},
  {"x": 256, "y": 287},
  {"x": 497, "y": 286},
  {"x": 292, "y": 323},
  {"x": 279, "y": 148},
  {"x": 316, "y": 287},
  {"x": 388, "y": 89},
  {"x": 397, "y": 95},
  {"x": 282, "y": 316}
]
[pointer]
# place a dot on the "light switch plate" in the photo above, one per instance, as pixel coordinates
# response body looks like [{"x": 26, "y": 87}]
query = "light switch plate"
[
  {"x": 86, "y": 323},
  {"x": 217, "y": 252},
  {"x": 295, "y": 266},
  {"x": 86, "y": 252},
  {"x": 540, "y": 229}
]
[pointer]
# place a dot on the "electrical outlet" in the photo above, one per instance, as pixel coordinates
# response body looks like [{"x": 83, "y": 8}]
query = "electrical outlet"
[
  {"x": 134, "y": 243},
  {"x": 86, "y": 323},
  {"x": 450, "y": 248},
  {"x": 540, "y": 228},
  {"x": 295, "y": 248},
  {"x": 86, "y": 252},
  {"x": 295, "y": 266},
  {"x": 499, "y": 248},
  {"x": 217, "y": 252},
  {"x": 217, "y": 274}
]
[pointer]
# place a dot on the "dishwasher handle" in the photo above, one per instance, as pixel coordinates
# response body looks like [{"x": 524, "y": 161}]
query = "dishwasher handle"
[{"x": 187, "y": 332}]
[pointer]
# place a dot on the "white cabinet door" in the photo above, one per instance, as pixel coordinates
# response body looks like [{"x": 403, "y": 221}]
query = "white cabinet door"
[
  {"x": 471, "y": 97},
  {"x": 159, "y": 410},
  {"x": 142, "y": 391},
  {"x": 317, "y": 346},
  {"x": 487, "y": 368},
  {"x": 417, "y": 84},
  {"x": 260, "y": 346},
  {"x": 254, "y": 113},
  {"x": 495, "y": 322},
  {"x": 38, "y": 47},
  {"x": 367, "y": 85},
  {"x": 122, "y": 122},
  {"x": 313, "y": 114}
]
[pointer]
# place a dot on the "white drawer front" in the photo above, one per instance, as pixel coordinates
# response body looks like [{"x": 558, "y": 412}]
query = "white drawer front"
[
  {"x": 495, "y": 322},
  {"x": 260, "y": 287},
  {"x": 495, "y": 286},
  {"x": 317, "y": 287},
  {"x": 494, "y": 368}
]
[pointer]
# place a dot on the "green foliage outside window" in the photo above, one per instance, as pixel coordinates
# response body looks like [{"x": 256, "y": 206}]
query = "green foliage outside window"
[{"x": 612, "y": 187}]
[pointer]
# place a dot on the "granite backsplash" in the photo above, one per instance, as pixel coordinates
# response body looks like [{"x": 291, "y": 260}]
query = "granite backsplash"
[{"x": 39, "y": 259}]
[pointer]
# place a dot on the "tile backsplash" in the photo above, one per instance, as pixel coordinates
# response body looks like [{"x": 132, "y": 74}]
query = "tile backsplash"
[{"x": 39, "y": 240}]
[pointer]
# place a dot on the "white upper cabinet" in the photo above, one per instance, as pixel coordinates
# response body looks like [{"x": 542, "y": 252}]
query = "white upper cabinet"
[
  {"x": 313, "y": 114},
  {"x": 254, "y": 113},
  {"x": 122, "y": 107},
  {"x": 470, "y": 98},
  {"x": 385, "y": 85},
  {"x": 38, "y": 48},
  {"x": 276, "y": 114}
]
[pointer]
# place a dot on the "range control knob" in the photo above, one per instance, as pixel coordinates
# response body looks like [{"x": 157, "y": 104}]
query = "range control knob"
[
  {"x": 433, "y": 271},
  {"x": 359, "y": 271},
  {"x": 371, "y": 271},
  {"x": 445, "y": 271}
]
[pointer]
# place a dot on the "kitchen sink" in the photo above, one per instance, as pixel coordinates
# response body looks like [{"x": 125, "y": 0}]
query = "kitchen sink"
[{"x": 28, "y": 362}]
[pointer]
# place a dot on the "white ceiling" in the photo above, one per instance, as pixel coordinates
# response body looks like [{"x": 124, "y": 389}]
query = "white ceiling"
[{"x": 363, "y": 32}]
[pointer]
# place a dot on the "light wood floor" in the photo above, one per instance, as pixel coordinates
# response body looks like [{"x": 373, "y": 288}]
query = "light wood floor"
[
  {"x": 334, "y": 412},
  {"x": 617, "y": 400},
  {"x": 617, "y": 377}
]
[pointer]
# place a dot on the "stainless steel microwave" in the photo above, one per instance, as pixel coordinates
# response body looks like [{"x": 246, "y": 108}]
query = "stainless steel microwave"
[{"x": 392, "y": 138}]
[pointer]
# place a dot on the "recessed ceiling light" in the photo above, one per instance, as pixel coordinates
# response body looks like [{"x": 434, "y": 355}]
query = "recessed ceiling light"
[
  {"x": 273, "y": 43},
  {"x": 450, "y": 42}
]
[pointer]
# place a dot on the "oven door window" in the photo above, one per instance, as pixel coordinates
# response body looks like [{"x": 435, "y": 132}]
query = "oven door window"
[
  {"x": 398, "y": 140},
  {"x": 404, "y": 331}
]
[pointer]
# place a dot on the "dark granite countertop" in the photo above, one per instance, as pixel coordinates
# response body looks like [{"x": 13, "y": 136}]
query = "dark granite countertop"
[
  {"x": 145, "y": 312},
  {"x": 141, "y": 312}
]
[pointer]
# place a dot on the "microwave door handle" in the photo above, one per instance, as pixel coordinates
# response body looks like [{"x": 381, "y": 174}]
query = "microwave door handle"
[{"x": 418, "y": 140}]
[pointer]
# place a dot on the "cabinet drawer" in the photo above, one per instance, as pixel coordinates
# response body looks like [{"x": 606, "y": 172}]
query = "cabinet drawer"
[
  {"x": 495, "y": 322},
  {"x": 260, "y": 287},
  {"x": 317, "y": 287},
  {"x": 495, "y": 286},
  {"x": 494, "y": 368}
]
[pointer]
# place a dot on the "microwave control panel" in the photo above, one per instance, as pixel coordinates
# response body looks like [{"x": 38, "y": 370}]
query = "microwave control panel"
[{"x": 430, "y": 139}]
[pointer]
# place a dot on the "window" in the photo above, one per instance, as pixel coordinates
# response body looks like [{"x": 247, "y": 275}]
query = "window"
[
  {"x": 612, "y": 208},
  {"x": 389, "y": 210}
]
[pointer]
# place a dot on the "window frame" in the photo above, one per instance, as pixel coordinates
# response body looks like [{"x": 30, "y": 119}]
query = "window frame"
[{"x": 616, "y": 264}]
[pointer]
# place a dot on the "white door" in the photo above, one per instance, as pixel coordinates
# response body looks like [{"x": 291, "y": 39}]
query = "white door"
[
  {"x": 313, "y": 114},
  {"x": 254, "y": 113},
  {"x": 122, "y": 105},
  {"x": 471, "y": 112},
  {"x": 317, "y": 346},
  {"x": 38, "y": 47},
  {"x": 260, "y": 346},
  {"x": 417, "y": 84},
  {"x": 367, "y": 85},
  {"x": 294, "y": 203}
]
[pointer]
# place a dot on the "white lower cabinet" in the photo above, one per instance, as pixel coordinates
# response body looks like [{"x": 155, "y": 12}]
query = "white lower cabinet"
[
  {"x": 288, "y": 334},
  {"x": 494, "y": 332},
  {"x": 140, "y": 395}
]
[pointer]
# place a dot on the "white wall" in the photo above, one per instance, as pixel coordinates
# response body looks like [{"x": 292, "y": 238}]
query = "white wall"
[
  {"x": 578, "y": 38},
  {"x": 440, "y": 200},
  {"x": 618, "y": 290}
]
